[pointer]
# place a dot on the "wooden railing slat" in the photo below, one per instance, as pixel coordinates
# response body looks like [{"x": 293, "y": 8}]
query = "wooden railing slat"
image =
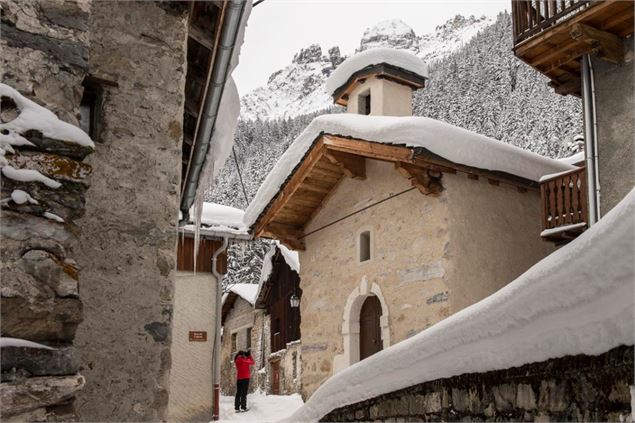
[
  {"x": 563, "y": 199},
  {"x": 568, "y": 193},
  {"x": 531, "y": 17}
]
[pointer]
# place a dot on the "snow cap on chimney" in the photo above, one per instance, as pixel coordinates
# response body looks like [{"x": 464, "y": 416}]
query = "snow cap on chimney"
[{"x": 378, "y": 81}]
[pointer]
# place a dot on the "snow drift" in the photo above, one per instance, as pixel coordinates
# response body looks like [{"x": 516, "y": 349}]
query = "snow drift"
[{"x": 578, "y": 300}]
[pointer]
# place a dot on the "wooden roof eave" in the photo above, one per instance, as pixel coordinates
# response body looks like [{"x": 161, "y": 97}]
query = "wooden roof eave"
[{"x": 422, "y": 167}]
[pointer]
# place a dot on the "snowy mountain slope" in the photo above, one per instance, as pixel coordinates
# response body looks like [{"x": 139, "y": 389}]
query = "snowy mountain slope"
[{"x": 299, "y": 88}]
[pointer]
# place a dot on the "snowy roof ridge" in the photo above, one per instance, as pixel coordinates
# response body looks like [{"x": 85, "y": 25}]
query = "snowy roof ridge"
[
  {"x": 455, "y": 144},
  {"x": 399, "y": 58},
  {"x": 578, "y": 300},
  {"x": 246, "y": 291},
  {"x": 220, "y": 218}
]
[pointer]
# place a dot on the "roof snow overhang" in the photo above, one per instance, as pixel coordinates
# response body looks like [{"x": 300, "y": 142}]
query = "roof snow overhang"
[
  {"x": 331, "y": 158},
  {"x": 380, "y": 71}
]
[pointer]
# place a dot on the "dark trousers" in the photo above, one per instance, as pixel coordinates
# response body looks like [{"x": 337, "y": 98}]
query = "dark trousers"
[{"x": 242, "y": 387}]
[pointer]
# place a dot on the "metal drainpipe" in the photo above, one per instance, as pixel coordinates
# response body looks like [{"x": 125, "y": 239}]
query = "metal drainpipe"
[
  {"x": 217, "y": 353},
  {"x": 590, "y": 137},
  {"x": 231, "y": 26}
]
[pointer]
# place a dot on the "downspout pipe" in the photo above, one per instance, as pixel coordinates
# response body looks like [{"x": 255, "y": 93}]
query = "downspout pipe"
[
  {"x": 590, "y": 138},
  {"x": 220, "y": 72},
  {"x": 217, "y": 352}
]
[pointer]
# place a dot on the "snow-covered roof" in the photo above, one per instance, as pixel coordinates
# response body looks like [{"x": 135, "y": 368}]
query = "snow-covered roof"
[
  {"x": 399, "y": 58},
  {"x": 246, "y": 291},
  {"x": 450, "y": 142},
  {"x": 571, "y": 160},
  {"x": 221, "y": 219},
  {"x": 578, "y": 300}
]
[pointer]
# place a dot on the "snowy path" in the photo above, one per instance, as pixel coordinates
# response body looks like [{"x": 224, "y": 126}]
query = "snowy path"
[{"x": 262, "y": 408}]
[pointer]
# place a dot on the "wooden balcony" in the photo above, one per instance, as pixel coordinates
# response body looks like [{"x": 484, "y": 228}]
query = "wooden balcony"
[
  {"x": 564, "y": 205},
  {"x": 552, "y": 36}
]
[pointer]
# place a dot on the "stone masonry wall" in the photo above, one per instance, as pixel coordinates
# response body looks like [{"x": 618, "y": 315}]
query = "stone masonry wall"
[
  {"x": 241, "y": 317},
  {"x": 128, "y": 246},
  {"x": 423, "y": 254},
  {"x": 44, "y": 57},
  {"x": 573, "y": 388}
]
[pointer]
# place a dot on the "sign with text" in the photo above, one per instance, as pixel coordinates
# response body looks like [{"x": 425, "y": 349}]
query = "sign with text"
[{"x": 198, "y": 336}]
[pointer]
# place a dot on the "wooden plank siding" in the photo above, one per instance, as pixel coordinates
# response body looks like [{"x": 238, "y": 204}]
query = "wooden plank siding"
[
  {"x": 275, "y": 298},
  {"x": 185, "y": 256}
]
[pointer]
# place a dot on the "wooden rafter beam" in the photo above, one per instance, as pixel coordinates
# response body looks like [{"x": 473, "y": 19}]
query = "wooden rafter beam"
[
  {"x": 296, "y": 181},
  {"x": 609, "y": 46},
  {"x": 287, "y": 234},
  {"x": 427, "y": 181},
  {"x": 372, "y": 150},
  {"x": 352, "y": 165},
  {"x": 206, "y": 40}
]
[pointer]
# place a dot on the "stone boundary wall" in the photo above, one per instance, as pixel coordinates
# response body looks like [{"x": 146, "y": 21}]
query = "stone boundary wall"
[
  {"x": 45, "y": 58},
  {"x": 572, "y": 388}
]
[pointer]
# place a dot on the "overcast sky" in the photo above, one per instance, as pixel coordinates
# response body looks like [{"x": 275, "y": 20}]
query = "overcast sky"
[{"x": 277, "y": 29}]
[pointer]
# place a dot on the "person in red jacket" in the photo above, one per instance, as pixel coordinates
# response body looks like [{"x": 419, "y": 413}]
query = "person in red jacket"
[{"x": 243, "y": 361}]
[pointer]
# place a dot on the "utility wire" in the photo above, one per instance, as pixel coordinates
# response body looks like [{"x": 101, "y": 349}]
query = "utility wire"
[
  {"x": 240, "y": 177},
  {"x": 256, "y": 3}
]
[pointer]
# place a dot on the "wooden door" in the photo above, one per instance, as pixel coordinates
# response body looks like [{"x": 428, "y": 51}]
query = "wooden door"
[
  {"x": 275, "y": 377},
  {"x": 369, "y": 329}
]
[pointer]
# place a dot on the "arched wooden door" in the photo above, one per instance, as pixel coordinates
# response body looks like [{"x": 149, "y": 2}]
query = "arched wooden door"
[{"x": 369, "y": 329}]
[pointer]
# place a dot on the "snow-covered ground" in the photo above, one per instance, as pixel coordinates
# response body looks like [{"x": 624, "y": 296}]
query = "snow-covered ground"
[{"x": 262, "y": 408}]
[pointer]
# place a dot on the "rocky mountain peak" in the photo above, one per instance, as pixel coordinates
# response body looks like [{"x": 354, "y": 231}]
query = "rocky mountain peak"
[
  {"x": 335, "y": 56},
  {"x": 393, "y": 33},
  {"x": 311, "y": 54}
]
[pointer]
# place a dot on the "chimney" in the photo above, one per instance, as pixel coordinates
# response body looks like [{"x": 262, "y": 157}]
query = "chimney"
[{"x": 378, "y": 82}]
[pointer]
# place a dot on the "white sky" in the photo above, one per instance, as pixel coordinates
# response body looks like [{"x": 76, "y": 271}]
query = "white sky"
[{"x": 277, "y": 29}]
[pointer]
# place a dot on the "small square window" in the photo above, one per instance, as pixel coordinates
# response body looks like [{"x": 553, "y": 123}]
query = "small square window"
[
  {"x": 364, "y": 103},
  {"x": 364, "y": 246}
]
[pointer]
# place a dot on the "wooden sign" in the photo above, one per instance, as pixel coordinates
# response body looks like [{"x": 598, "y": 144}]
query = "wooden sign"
[{"x": 198, "y": 336}]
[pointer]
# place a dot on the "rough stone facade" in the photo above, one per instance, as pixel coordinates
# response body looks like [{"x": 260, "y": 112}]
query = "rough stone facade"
[
  {"x": 241, "y": 319},
  {"x": 288, "y": 360},
  {"x": 423, "y": 254},
  {"x": 573, "y": 388},
  {"x": 191, "y": 388},
  {"x": 128, "y": 247},
  {"x": 615, "y": 102},
  {"x": 45, "y": 57}
]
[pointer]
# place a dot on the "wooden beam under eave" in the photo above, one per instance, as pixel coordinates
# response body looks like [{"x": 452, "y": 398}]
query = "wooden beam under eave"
[
  {"x": 426, "y": 181},
  {"x": 610, "y": 46},
  {"x": 287, "y": 234},
  {"x": 352, "y": 165},
  {"x": 371, "y": 150},
  {"x": 201, "y": 37}
]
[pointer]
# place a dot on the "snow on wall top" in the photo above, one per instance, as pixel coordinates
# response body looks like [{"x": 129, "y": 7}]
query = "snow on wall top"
[
  {"x": 398, "y": 58},
  {"x": 450, "y": 142},
  {"x": 246, "y": 291},
  {"x": 571, "y": 160},
  {"x": 578, "y": 300},
  {"x": 35, "y": 117},
  {"x": 290, "y": 257},
  {"x": 219, "y": 218}
]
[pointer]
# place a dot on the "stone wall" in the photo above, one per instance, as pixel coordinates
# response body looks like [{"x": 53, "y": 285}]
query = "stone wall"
[
  {"x": 45, "y": 57},
  {"x": 423, "y": 254},
  {"x": 128, "y": 246},
  {"x": 615, "y": 102},
  {"x": 573, "y": 388},
  {"x": 191, "y": 387},
  {"x": 290, "y": 362},
  {"x": 241, "y": 317}
]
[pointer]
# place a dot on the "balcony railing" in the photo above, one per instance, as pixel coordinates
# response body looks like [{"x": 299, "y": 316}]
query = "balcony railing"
[
  {"x": 564, "y": 205},
  {"x": 531, "y": 17}
]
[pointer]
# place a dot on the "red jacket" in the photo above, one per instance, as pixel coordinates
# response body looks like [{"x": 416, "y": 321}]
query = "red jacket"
[{"x": 242, "y": 367}]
